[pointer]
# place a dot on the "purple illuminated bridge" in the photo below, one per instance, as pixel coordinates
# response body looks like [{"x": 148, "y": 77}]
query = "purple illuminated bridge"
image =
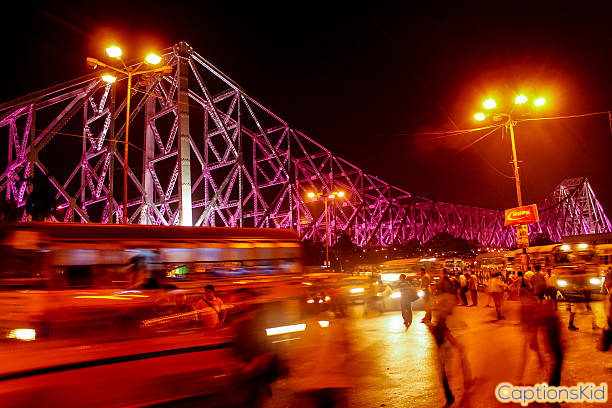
[{"x": 203, "y": 152}]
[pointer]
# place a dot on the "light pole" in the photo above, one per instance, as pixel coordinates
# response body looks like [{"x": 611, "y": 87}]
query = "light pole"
[
  {"x": 326, "y": 197},
  {"x": 129, "y": 72},
  {"x": 519, "y": 102}
]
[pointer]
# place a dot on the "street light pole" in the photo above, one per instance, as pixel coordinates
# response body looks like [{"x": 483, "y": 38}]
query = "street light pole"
[
  {"x": 515, "y": 162},
  {"x": 130, "y": 72},
  {"x": 326, "y": 197},
  {"x": 125, "y": 151},
  {"x": 326, "y": 235}
]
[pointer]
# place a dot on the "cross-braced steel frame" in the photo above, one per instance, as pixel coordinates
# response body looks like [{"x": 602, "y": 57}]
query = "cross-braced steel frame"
[{"x": 205, "y": 153}]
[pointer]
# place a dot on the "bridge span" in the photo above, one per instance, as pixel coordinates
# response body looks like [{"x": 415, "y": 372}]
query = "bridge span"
[{"x": 204, "y": 152}]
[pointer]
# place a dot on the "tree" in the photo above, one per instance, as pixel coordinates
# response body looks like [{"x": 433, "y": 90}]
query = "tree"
[
  {"x": 8, "y": 210},
  {"x": 41, "y": 202}
]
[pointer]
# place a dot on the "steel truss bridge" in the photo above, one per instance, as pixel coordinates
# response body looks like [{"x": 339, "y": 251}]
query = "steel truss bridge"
[{"x": 203, "y": 152}]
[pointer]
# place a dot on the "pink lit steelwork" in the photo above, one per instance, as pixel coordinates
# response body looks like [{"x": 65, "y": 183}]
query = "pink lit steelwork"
[{"x": 212, "y": 155}]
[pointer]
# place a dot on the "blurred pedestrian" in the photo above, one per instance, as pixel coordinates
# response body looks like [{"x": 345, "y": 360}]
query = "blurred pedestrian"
[
  {"x": 473, "y": 287},
  {"x": 463, "y": 289},
  {"x": 426, "y": 288},
  {"x": 538, "y": 281},
  {"x": 409, "y": 295},
  {"x": 497, "y": 287},
  {"x": 551, "y": 288},
  {"x": 446, "y": 342}
]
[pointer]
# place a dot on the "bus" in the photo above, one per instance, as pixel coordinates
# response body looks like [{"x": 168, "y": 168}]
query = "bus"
[
  {"x": 577, "y": 268},
  {"x": 493, "y": 262},
  {"x": 124, "y": 304}
]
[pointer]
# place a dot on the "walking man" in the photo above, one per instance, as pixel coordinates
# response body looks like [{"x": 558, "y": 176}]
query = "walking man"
[
  {"x": 426, "y": 288},
  {"x": 473, "y": 286},
  {"x": 409, "y": 295},
  {"x": 497, "y": 287}
]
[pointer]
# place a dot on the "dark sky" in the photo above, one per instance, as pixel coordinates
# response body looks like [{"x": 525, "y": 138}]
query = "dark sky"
[{"x": 363, "y": 81}]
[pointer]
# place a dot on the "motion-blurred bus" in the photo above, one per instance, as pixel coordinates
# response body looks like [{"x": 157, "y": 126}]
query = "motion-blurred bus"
[{"x": 121, "y": 311}]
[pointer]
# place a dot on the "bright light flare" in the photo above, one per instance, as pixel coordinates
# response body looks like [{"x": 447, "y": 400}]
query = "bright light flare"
[
  {"x": 310, "y": 301},
  {"x": 520, "y": 99},
  {"x": 595, "y": 281},
  {"x": 310, "y": 195},
  {"x": 331, "y": 196},
  {"x": 113, "y": 51},
  {"x": 153, "y": 59},
  {"x": 489, "y": 104},
  {"x": 561, "y": 283},
  {"x": 539, "y": 102},
  {"x": 479, "y": 116},
  {"x": 323, "y": 323},
  {"x": 341, "y": 194},
  {"x": 395, "y": 295},
  {"x": 109, "y": 79},
  {"x": 389, "y": 277},
  {"x": 22, "y": 334},
  {"x": 583, "y": 246},
  {"x": 565, "y": 247},
  {"x": 273, "y": 331},
  {"x": 420, "y": 293},
  {"x": 357, "y": 290}
]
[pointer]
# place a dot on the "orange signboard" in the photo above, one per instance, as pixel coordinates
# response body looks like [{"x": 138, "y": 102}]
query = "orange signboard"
[{"x": 522, "y": 215}]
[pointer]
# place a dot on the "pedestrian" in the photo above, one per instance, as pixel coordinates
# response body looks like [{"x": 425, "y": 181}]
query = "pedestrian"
[
  {"x": 463, "y": 288},
  {"x": 409, "y": 295},
  {"x": 473, "y": 287},
  {"x": 551, "y": 288},
  {"x": 426, "y": 288},
  {"x": 497, "y": 287},
  {"x": 445, "y": 342},
  {"x": 538, "y": 281}
]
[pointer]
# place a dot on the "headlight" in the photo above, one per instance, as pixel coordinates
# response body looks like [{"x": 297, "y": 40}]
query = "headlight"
[
  {"x": 324, "y": 323},
  {"x": 22, "y": 334},
  {"x": 273, "y": 331},
  {"x": 396, "y": 295},
  {"x": 310, "y": 301},
  {"x": 327, "y": 298},
  {"x": 420, "y": 293},
  {"x": 357, "y": 290},
  {"x": 595, "y": 281},
  {"x": 561, "y": 283}
]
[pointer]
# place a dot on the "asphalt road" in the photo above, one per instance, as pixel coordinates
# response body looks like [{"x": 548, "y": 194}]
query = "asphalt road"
[{"x": 380, "y": 363}]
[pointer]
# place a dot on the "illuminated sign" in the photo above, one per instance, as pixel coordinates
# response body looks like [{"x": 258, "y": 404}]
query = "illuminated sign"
[{"x": 522, "y": 215}]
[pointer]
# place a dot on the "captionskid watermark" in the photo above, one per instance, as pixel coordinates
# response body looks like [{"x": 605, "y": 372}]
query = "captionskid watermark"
[{"x": 542, "y": 393}]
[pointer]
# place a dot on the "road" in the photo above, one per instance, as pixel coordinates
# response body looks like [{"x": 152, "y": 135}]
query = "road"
[{"x": 387, "y": 365}]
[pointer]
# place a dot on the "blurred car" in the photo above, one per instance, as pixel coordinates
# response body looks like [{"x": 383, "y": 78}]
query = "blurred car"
[{"x": 356, "y": 289}]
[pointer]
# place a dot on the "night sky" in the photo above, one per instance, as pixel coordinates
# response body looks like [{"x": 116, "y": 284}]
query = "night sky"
[{"x": 367, "y": 82}]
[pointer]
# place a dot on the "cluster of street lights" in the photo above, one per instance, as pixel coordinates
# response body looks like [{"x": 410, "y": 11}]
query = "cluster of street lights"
[
  {"x": 520, "y": 102},
  {"x": 331, "y": 196},
  {"x": 152, "y": 60}
]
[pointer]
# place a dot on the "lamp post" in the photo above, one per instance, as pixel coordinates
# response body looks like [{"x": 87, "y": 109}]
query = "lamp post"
[
  {"x": 326, "y": 197},
  {"x": 519, "y": 102},
  {"x": 129, "y": 72}
]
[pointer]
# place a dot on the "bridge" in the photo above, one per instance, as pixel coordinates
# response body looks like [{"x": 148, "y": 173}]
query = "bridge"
[{"x": 203, "y": 152}]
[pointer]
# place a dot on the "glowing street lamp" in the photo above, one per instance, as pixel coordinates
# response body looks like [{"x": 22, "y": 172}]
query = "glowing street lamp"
[
  {"x": 539, "y": 102},
  {"x": 489, "y": 104},
  {"x": 330, "y": 196},
  {"x": 520, "y": 99},
  {"x": 479, "y": 116},
  {"x": 129, "y": 72}
]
